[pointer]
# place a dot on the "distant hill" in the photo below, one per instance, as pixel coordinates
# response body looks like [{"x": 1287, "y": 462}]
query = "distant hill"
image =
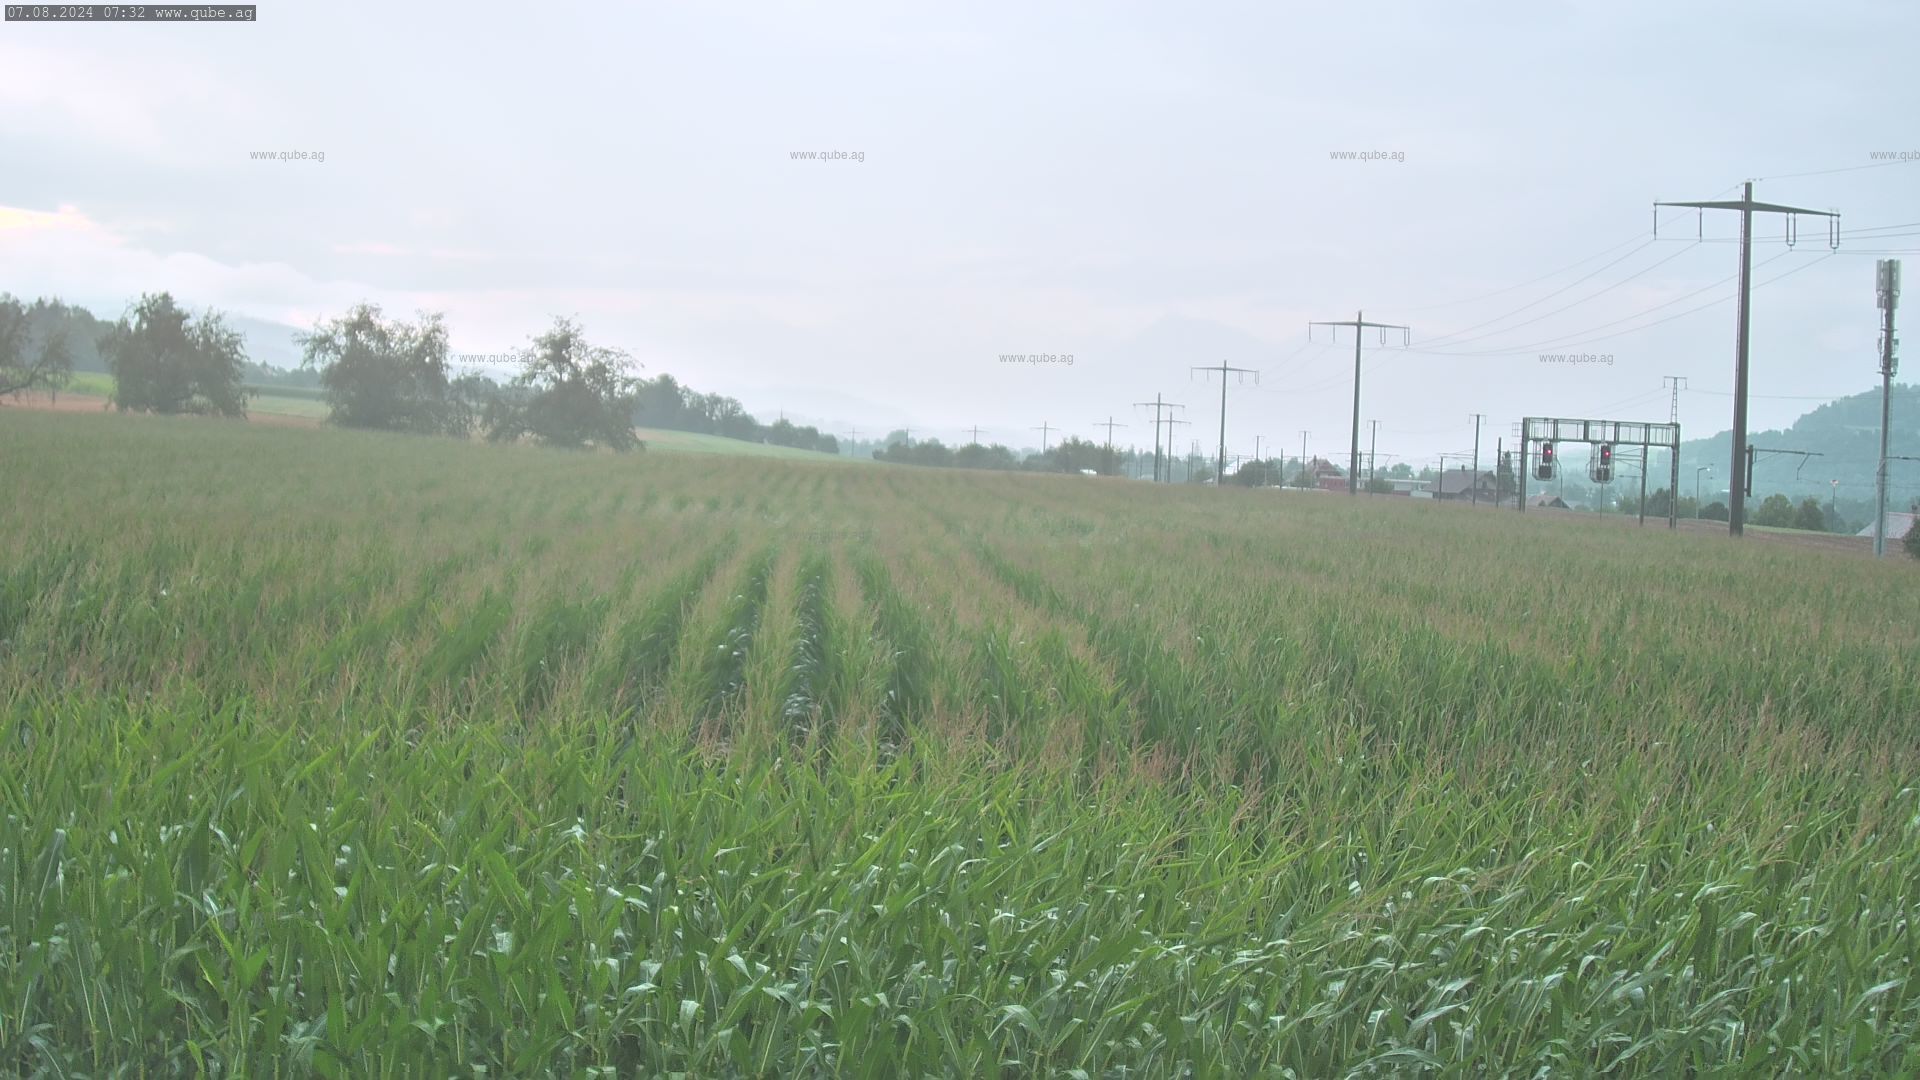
[{"x": 1845, "y": 432}]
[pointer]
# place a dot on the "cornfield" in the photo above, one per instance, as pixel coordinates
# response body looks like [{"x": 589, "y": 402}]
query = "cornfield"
[{"x": 355, "y": 755}]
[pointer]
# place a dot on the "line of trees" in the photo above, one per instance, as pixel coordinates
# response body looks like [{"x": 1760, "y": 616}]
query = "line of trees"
[
  {"x": 1070, "y": 455},
  {"x": 662, "y": 402},
  {"x": 393, "y": 375},
  {"x": 375, "y": 373}
]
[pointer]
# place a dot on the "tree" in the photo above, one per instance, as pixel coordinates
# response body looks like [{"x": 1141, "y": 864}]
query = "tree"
[
  {"x": 1776, "y": 512},
  {"x": 1257, "y": 474},
  {"x": 1379, "y": 485},
  {"x": 25, "y": 365},
  {"x": 1912, "y": 541},
  {"x": 167, "y": 361},
  {"x": 1657, "y": 505},
  {"x": 1810, "y": 516},
  {"x": 569, "y": 393},
  {"x": 471, "y": 397},
  {"x": 388, "y": 375},
  {"x": 1714, "y": 511}
]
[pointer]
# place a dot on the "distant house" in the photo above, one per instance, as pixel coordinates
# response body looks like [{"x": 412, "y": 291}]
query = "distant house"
[
  {"x": 1326, "y": 475},
  {"x": 1897, "y": 527},
  {"x": 1548, "y": 501},
  {"x": 1463, "y": 483}
]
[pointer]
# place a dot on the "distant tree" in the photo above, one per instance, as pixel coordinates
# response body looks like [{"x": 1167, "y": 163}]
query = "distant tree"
[
  {"x": 1301, "y": 479},
  {"x": 1505, "y": 484},
  {"x": 569, "y": 393},
  {"x": 1401, "y": 471},
  {"x": 1714, "y": 511},
  {"x": 1257, "y": 474},
  {"x": 975, "y": 456},
  {"x": 24, "y": 363},
  {"x": 471, "y": 396},
  {"x": 1811, "y": 516},
  {"x": 386, "y": 374},
  {"x": 661, "y": 402},
  {"x": 167, "y": 361},
  {"x": 1912, "y": 540},
  {"x": 1379, "y": 485},
  {"x": 1776, "y": 512}
]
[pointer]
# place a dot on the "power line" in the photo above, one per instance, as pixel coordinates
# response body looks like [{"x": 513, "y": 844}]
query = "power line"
[
  {"x": 1554, "y": 273},
  {"x": 1563, "y": 342},
  {"x": 1564, "y": 307},
  {"x": 1830, "y": 172}
]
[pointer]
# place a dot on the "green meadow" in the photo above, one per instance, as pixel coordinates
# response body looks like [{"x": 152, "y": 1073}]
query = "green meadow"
[{"x": 336, "y": 753}]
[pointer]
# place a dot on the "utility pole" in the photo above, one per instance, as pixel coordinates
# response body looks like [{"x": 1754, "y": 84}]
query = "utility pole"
[
  {"x": 1736, "y": 485},
  {"x": 1303, "y": 453},
  {"x": 1158, "y": 406},
  {"x": 1170, "y": 458},
  {"x": 1678, "y": 383},
  {"x": 1359, "y": 323},
  {"x": 1043, "y": 429},
  {"x": 1645, "y": 454},
  {"x": 1373, "y": 442},
  {"x": 976, "y": 435},
  {"x": 1220, "y": 472},
  {"x": 1499, "y": 460},
  {"x": 1109, "y": 425},
  {"x": 1474, "y": 483},
  {"x": 1888, "y": 274},
  {"x": 853, "y": 436}
]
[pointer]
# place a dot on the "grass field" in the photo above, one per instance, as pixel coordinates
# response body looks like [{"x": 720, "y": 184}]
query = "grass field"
[
  {"x": 378, "y": 756},
  {"x": 298, "y": 402}
]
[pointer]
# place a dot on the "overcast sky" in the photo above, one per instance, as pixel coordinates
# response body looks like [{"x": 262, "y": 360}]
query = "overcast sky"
[{"x": 1146, "y": 187}]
